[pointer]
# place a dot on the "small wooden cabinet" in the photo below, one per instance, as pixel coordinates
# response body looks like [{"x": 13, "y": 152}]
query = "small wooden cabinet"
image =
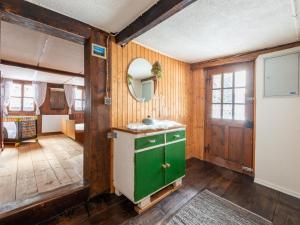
[{"x": 146, "y": 162}]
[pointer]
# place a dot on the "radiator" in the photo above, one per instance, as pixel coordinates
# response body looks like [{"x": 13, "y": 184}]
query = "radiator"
[{"x": 52, "y": 123}]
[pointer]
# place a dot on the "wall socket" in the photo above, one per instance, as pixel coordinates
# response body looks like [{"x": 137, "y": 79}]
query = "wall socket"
[{"x": 107, "y": 101}]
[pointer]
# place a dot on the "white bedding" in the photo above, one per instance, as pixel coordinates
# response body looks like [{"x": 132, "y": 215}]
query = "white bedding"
[
  {"x": 11, "y": 129},
  {"x": 79, "y": 127}
]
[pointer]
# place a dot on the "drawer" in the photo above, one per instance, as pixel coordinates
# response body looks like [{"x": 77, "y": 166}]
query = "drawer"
[
  {"x": 174, "y": 136},
  {"x": 149, "y": 141}
]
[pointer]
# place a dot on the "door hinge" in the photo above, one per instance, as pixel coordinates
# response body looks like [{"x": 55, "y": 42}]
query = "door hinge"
[
  {"x": 247, "y": 169},
  {"x": 111, "y": 135}
]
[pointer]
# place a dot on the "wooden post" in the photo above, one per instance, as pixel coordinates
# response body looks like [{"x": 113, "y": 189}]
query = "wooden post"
[{"x": 97, "y": 118}]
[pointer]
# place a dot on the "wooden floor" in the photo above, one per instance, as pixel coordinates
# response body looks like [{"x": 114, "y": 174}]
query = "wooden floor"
[
  {"x": 35, "y": 168},
  {"x": 240, "y": 189}
]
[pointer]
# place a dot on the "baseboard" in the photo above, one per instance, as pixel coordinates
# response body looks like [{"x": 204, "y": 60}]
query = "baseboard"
[{"x": 277, "y": 187}]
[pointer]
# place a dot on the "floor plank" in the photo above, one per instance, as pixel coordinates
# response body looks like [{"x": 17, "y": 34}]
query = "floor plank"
[
  {"x": 240, "y": 189},
  {"x": 8, "y": 174},
  {"x": 35, "y": 168}
]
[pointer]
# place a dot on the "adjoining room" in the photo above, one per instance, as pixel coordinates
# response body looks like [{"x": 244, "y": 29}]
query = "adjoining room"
[{"x": 43, "y": 115}]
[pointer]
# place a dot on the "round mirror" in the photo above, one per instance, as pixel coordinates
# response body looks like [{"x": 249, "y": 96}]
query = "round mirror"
[{"x": 141, "y": 82}]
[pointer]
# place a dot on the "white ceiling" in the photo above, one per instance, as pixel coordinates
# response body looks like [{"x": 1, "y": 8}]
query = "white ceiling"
[
  {"x": 17, "y": 73},
  {"x": 206, "y": 29},
  {"x": 19, "y": 44},
  {"x": 213, "y": 28},
  {"x": 108, "y": 15}
]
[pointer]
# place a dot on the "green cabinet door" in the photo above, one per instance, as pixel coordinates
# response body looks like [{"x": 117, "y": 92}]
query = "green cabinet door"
[
  {"x": 149, "y": 172},
  {"x": 175, "y": 159}
]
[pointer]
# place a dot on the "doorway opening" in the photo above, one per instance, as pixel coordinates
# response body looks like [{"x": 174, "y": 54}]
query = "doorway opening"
[{"x": 43, "y": 102}]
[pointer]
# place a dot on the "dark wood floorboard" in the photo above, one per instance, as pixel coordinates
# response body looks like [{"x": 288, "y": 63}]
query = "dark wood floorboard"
[{"x": 108, "y": 209}]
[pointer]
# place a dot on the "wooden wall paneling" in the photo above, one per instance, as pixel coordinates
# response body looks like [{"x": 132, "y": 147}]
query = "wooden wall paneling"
[
  {"x": 172, "y": 98},
  {"x": 129, "y": 98},
  {"x": 198, "y": 112},
  {"x": 124, "y": 84},
  {"x": 97, "y": 119}
]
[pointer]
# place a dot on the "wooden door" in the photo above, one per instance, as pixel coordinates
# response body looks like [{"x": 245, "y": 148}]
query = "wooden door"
[{"x": 229, "y": 116}]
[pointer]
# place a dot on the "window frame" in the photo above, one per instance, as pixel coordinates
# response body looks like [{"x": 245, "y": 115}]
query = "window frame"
[
  {"x": 233, "y": 102},
  {"x": 22, "y": 97},
  {"x": 82, "y": 99}
]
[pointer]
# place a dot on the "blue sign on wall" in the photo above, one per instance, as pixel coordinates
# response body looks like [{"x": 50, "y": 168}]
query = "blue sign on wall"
[{"x": 99, "y": 51}]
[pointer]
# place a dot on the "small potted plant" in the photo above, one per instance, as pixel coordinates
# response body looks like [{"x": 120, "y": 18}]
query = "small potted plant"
[{"x": 156, "y": 70}]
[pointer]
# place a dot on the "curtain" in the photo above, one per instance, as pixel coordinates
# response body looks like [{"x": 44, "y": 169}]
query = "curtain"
[
  {"x": 7, "y": 90},
  {"x": 40, "y": 91},
  {"x": 70, "y": 96}
]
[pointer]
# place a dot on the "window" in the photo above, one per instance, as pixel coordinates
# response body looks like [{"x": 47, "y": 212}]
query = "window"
[
  {"x": 228, "y": 95},
  {"x": 21, "y": 97},
  {"x": 79, "y": 99}
]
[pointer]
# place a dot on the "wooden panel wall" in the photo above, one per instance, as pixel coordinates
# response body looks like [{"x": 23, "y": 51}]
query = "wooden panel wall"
[
  {"x": 198, "y": 113},
  {"x": 173, "y": 96}
]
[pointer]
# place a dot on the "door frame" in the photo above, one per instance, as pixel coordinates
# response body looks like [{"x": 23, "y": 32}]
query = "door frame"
[
  {"x": 96, "y": 174},
  {"x": 205, "y": 73}
]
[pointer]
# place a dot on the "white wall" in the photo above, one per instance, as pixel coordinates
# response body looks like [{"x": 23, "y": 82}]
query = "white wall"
[{"x": 277, "y": 154}]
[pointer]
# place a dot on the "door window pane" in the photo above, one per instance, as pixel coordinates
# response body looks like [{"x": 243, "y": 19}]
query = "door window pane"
[
  {"x": 239, "y": 112},
  {"x": 14, "y": 104},
  {"x": 28, "y": 104},
  {"x": 216, "y": 111},
  {"x": 16, "y": 90},
  {"x": 227, "y": 111},
  {"x": 217, "y": 81},
  {"x": 228, "y": 80},
  {"x": 239, "y": 95},
  {"x": 28, "y": 90},
  {"x": 240, "y": 79},
  {"x": 227, "y": 95},
  {"x": 216, "y": 98}
]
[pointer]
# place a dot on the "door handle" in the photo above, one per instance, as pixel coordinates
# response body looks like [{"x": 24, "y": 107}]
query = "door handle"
[
  {"x": 152, "y": 141},
  {"x": 166, "y": 165},
  {"x": 176, "y": 136}
]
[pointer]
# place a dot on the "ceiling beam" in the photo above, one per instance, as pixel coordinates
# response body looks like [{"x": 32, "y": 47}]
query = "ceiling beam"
[
  {"x": 42, "y": 69},
  {"x": 242, "y": 57},
  {"x": 44, "y": 20},
  {"x": 159, "y": 12}
]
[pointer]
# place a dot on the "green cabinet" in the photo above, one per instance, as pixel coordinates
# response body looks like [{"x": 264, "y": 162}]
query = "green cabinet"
[
  {"x": 149, "y": 173},
  {"x": 145, "y": 163},
  {"x": 175, "y": 161},
  {"x": 149, "y": 141},
  {"x": 158, "y": 167}
]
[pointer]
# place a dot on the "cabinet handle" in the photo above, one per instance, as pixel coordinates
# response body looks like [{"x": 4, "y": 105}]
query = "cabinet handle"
[
  {"x": 168, "y": 165},
  {"x": 177, "y": 136},
  {"x": 164, "y": 166},
  {"x": 152, "y": 141}
]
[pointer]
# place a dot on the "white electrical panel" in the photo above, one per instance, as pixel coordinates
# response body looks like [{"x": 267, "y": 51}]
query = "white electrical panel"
[{"x": 282, "y": 75}]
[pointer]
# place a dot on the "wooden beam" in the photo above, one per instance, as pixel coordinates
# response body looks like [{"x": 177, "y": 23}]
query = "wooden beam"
[
  {"x": 96, "y": 118},
  {"x": 42, "y": 69},
  {"x": 152, "y": 17},
  {"x": 44, "y": 20},
  {"x": 243, "y": 57}
]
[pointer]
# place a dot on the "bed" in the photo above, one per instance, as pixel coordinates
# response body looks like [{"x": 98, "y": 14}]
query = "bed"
[
  {"x": 19, "y": 128},
  {"x": 73, "y": 130}
]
